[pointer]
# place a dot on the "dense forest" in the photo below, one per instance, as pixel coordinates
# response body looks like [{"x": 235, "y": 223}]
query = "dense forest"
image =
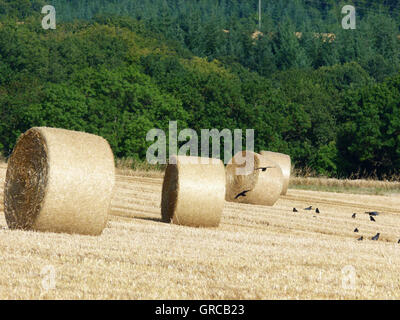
[{"x": 119, "y": 68}]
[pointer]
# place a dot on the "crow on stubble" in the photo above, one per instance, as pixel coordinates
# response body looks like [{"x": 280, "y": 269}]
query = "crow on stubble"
[{"x": 376, "y": 237}]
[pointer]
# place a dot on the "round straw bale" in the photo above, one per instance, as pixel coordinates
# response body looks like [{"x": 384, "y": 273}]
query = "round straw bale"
[
  {"x": 59, "y": 181},
  {"x": 283, "y": 160},
  {"x": 193, "y": 191},
  {"x": 247, "y": 182}
]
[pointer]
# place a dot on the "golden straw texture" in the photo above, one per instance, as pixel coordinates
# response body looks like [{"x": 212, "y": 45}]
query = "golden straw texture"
[
  {"x": 193, "y": 191},
  {"x": 283, "y": 160},
  {"x": 261, "y": 182},
  {"x": 59, "y": 181}
]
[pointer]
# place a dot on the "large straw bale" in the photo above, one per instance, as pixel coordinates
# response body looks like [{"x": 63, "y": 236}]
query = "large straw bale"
[
  {"x": 261, "y": 187},
  {"x": 193, "y": 191},
  {"x": 283, "y": 160},
  {"x": 59, "y": 181}
]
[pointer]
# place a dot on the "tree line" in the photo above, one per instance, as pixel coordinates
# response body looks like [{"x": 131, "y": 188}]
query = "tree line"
[{"x": 119, "y": 69}]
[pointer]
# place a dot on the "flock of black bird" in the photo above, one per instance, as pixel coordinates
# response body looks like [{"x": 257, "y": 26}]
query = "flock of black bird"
[
  {"x": 371, "y": 214},
  {"x": 371, "y": 218},
  {"x": 354, "y": 215}
]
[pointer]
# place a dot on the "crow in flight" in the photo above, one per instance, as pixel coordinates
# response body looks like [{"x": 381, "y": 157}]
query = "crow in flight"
[
  {"x": 242, "y": 194},
  {"x": 354, "y": 215},
  {"x": 263, "y": 169}
]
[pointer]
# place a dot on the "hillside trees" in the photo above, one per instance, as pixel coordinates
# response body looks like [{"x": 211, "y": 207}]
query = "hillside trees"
[
  {"x": 369, "y": 138},
  {"x": 329, "y": 104}
]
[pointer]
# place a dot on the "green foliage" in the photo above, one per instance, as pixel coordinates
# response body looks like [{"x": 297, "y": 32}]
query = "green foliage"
[
  {"x": 369, "y": 136},
  {"x": 119, "y": 69},
  {"x": 20, "y": 9}
]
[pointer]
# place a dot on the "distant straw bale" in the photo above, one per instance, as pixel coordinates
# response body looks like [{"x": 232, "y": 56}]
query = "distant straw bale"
[
  {"x": 260, "y": 178},
  {"x": 193, "y": 191},
  {"x": 283, "y": 160}
]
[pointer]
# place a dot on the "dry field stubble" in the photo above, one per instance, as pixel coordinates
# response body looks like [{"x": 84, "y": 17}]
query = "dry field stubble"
[{"x": 256, "y": 253}]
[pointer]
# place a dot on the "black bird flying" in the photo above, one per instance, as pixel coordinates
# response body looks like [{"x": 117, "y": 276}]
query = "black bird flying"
[
  {"x": 242, "y": 194},
  {"x": 354, "y": 215},
  {"x": 372, "y": 213},
  {"x": 263, "y": 168}
]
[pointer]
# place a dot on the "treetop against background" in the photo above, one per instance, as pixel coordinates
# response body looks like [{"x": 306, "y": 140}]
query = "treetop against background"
[{"x": 325, "y": 94}]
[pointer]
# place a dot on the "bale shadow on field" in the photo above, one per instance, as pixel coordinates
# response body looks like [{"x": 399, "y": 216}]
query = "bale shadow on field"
[{"x": 151, "y": 219}]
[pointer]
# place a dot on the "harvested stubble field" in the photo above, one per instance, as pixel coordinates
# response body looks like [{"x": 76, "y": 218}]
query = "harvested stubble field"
[{"x": 256, "y": 253}]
